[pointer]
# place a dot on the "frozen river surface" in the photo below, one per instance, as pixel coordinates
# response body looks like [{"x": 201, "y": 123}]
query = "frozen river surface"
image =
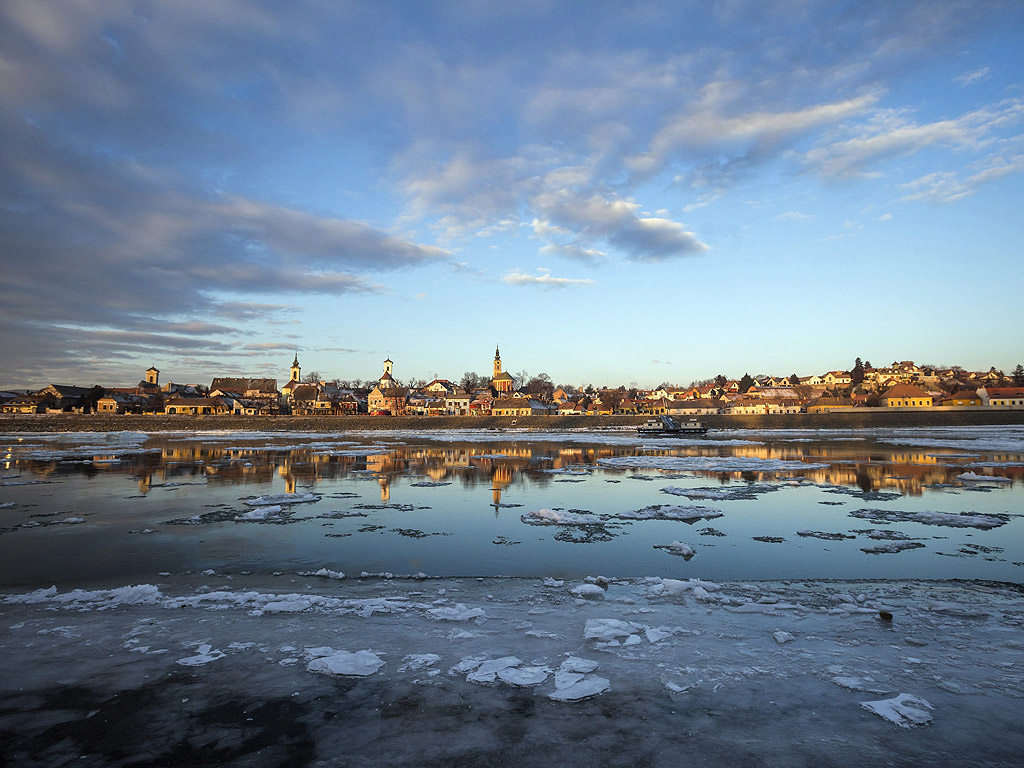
[{"x": 593, "y": 598}]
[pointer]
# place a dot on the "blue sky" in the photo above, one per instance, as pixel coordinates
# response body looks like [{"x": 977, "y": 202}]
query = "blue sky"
[{"x": 617, "y": 193}]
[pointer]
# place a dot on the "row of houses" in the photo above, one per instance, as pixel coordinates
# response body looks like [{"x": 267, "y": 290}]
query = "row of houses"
[{"x": 901, "y": 385}]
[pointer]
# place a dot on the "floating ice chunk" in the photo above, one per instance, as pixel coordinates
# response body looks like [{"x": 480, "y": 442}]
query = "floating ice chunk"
[
  {"x": 523, "y": 676},
  {"x": 261, "y": 513},
  {"x": 654, "y": 634},
  {"x": 948, "y": 519},
  {"x": 467, "y": 664},
  {"x": 549, "y": 582},
  {"x": 606, "y": 630},
  {"x": 906, "y": 710},
  {"x": 488, "y": 670},
  {"x": 458, "y": 612},
  {"x": 576, "y": 664},
  {"x": 287, "y": 606},
  {"x": 415, "y": 661},
  {"x": 205, "y": 654},
  {"x": 358, "y": 664},
  {"x": 590, "y": 685},
  {"x": 6, "y": 505},
  {"x": 565, "y": 679},
  {"x": 326, "y": 573},
  {"x": 101, "y": 599},
  {"x": 671, "y": 587},
  {"x": 824, "y": 535},
  {"x": 891, "y": 547},
  {"x": 783, "y": 637},
  {"x": 554, "y": 517},
  {"x": 678, "y": 548},
  {"x": 588, "y": 591},
  {"x": 671, "y": 512},
  {"x": 301, "y": 497},
  {"x": 971, "y": 477}
]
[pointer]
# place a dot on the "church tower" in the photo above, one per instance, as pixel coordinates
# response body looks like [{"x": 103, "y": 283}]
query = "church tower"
[
  {"x": 152, "y": 376},
  {"x": 501, "y": 381},
  {"x": 296, "y": 370}
]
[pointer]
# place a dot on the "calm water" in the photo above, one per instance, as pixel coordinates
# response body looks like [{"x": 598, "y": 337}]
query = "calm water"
[{"x": 124, "y": 507}]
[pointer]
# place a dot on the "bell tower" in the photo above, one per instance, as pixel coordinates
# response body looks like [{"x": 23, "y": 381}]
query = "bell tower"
[
  {"x": 152, "y": 376},
  {"x": 497, "y": 362},
  {"x": 296, "y": 370}
]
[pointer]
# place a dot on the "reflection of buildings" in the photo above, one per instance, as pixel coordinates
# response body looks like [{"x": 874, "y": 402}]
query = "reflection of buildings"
[
  {"x": 301, "y": 463},
  {"x": 501, "y": 477}
]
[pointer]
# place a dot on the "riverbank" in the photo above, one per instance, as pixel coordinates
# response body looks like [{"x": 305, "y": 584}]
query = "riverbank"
[{"x": 861, "y": 419}]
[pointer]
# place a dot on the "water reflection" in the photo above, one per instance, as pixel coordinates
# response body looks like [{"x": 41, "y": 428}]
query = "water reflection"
[{"x": 864, "y": 464}]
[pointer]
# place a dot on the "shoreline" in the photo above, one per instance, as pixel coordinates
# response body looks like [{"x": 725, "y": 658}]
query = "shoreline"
[{"x": 896, "y": 419}]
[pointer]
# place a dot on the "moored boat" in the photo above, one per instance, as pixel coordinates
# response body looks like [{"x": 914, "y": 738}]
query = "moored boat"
[{"x": 666, "y": 426}]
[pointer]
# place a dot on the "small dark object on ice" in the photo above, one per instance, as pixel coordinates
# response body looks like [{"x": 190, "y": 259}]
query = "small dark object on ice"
[{"x": 885, "y": 616}]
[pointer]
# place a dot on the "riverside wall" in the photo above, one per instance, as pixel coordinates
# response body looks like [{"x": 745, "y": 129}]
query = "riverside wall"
[{"x": 860, "y": 419}]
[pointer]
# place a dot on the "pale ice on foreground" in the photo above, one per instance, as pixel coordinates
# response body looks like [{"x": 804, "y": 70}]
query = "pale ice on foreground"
[{"x": 303, "y": 670}]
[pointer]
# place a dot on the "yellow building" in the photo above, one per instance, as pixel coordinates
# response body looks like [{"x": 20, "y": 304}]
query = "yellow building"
[{"x": 906, "y": 396}]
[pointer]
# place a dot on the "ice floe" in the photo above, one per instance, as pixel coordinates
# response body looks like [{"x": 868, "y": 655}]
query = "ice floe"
[
  {"x": 205, "y": 653},
  {"x": 972, "y": 477},
  {"x": 905, "y": 710},
  {"x": 301, "y": 497},
  {"x": 678, "y": 548},
  {"x": 947, "y": 519},
  {"x": 688, "y": 514},
  {"x": 555, "y": 517},
  {"x": 891, "y": 547},
  {"x": 328, "y": 661}
]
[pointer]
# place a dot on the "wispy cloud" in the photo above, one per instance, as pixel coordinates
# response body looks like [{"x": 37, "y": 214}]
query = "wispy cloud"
[
  {"x": 543, "y": 280},
  {"x": 892, "y": 133},
  {"x": 574, "y": 253},
  {"x": 947, "y": 187},
  {"x": 972, "y": 77}
]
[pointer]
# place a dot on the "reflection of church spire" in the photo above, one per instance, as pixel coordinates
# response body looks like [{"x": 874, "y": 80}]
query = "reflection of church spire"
[{"x": 385, "y": 488}]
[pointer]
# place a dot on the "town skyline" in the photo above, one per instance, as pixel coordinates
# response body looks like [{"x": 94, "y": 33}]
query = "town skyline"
[
  {"x": 520, "y": 375},
  {"x": 658, "y": 192}
]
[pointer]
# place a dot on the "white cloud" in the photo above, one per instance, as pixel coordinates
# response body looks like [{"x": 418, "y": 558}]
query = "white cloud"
[
  {"x": 543, "y": 280},
  {"x": 972, "y": 77},
  {"x": 574, "y": 252},
  {"x": 719, "y": 122},
  {"x": 891, "y": 134},
  {"x": 616, "y": 221},
  {"x": 794, "y": 216},
  {"x": 947, "y": 187}
]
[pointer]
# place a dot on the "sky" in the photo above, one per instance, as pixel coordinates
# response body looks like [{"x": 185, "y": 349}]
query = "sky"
[{"x": 616, "y": 193}]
